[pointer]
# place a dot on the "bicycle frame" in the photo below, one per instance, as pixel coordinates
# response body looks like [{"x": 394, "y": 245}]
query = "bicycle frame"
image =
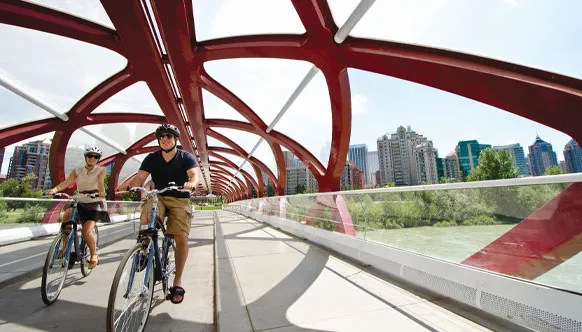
[
  {"x": 73, "y": 238},
  {"x": 152, "y": 233}
]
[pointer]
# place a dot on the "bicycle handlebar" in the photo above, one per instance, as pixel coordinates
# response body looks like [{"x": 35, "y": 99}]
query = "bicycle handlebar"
[
  {"x": 75, "y": 197},
  {"x": 154, "y": 191}
]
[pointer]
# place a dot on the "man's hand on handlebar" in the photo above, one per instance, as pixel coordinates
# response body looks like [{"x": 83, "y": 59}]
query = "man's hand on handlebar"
[{"x": 189, "y": 185}]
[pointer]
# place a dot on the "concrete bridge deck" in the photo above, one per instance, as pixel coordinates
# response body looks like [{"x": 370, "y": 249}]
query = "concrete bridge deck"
[{"x": 244, "y": 276}]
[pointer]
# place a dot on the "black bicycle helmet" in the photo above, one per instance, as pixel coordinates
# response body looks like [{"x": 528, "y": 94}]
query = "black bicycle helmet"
[
  {"x": 167, "y": 128},
  {"x": 93, "y": 149}
]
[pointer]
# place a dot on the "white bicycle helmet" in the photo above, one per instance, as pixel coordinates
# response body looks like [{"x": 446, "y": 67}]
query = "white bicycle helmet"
[{"x": 93, "y": 149}]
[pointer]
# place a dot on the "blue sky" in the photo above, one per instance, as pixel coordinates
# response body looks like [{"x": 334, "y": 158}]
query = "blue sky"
[{"x": 538, "y": 33}]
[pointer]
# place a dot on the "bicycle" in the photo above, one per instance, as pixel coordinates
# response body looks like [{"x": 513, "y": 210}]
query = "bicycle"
[
  {"x": 62, "y": 254},
  {"x": 133, "y": 284}
]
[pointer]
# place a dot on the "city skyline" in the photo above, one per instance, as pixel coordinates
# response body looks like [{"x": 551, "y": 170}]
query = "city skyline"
[{"x": 504, "y": 30}]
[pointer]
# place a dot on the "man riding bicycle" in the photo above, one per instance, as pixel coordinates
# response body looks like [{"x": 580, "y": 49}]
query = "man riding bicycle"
[{"x": 167, "y": 165}]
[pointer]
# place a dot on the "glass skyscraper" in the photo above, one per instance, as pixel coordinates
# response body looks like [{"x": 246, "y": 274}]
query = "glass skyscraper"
[
  {"x": 31, "y": 158},
  {"x": 573, "y": 157},
  {"x": 541, "y": 156},
  {"x": 518, "y": 156},
  {"x": 468, "y": 154},
  {"x": 358, "y": 153}
]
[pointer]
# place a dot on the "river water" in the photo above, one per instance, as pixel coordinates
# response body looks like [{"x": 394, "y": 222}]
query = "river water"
[{"x": 459, "y": 242}]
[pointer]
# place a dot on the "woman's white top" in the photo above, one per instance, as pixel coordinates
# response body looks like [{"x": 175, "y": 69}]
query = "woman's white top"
[{"x": 88, "y": 181}]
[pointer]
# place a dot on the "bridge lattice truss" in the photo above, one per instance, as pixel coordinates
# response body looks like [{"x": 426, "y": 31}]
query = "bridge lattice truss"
[{"x": 551, "y": 99}]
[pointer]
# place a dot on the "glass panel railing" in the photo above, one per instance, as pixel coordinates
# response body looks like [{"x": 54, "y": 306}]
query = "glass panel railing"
[
  {"x": 29, "y": 212},
  {"x": 529, "y": 228}
]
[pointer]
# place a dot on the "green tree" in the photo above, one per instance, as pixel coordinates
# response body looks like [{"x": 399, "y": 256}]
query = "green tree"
[
  {"x": 270, "y": 190},
  {"x": 300, "y": 189},
  {"x": 107, "y": 183},
  {"x": 22, "y": 188},
  {"x": 445, "y": 180},
  {"x": 553, "y": 170},
  {"x": 26, "y": 187},
  {"x": 493, "y": 165},
  {"x": 10, "y": 188}
]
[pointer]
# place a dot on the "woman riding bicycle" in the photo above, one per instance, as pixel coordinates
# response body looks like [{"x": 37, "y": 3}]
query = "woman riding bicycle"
[{"x": 90, "y": 179}]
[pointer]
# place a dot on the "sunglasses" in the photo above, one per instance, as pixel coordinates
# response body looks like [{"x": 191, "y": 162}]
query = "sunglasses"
[
  {"x": 168, "y": 136},
  {"x": 94, "y": 156}
]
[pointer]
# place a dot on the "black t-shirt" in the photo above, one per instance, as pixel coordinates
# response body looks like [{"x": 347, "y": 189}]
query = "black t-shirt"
[{"x": 163, "y": 172}]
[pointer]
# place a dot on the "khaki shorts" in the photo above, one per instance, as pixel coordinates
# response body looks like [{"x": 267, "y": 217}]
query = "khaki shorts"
[{"x": 178, "y": 210}]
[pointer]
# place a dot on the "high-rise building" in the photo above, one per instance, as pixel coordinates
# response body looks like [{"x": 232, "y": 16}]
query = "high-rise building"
[
  {"x": 425, "y": 159},
  {"x": 573, "y": 157},
  {"x": 541, "y": 156},
  {"x": 2, "y": 151},
  {"x": 352, "y": 177},
  {"x": 324, "y": 153},
  {"x": 468, "y": 153},
  {"x": 439, "y": 165},
  {"x": 31, "y": 158},
  {"x": 517, "y": 155},
  {"x": 373, "y": 166},
  {"x": 563, "y": 167},
  {"x": 289, "y": 158},
  {"x": 452, "y": 168},
  {"x": 358, "y": 153},
  {"x": 109, "y": 168},
  {"x": 299, "y": 175},
  {"x": 397, "y": 157}
]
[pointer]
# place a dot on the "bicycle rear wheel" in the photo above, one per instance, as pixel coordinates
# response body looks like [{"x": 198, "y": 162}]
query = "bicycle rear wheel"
[
  {"x": 55, "y": 269},
  {"x": 86, "y": 258},
  {"x": 130, "y": 298},
  {"x": 169, "y": 265}
]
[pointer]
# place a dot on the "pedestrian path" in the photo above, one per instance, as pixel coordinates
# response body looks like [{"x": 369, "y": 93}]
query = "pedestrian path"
[
  {"x": 241, "y": 275},
  {"x": 20, "y": 259},
  {"x": 82, "y": 304},
  {"x": 270, "y": 281}
]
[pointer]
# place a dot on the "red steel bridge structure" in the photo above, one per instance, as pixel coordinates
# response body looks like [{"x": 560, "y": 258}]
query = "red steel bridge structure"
[{"x": 547, "y": 98}]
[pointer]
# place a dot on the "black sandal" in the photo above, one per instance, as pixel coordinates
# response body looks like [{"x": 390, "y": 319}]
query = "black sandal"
[{"x": 176, "y": 291}]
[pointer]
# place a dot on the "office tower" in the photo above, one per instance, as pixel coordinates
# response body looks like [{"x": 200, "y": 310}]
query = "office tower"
[
  {"x": 289, "y": 159},
  {"x": 324, "y": 153},
  {"x": 541, "y": 156},
  {"x": 517, "y": 155},
  {"x": 299, "y": 175},
  {"x": 468, "y": 154},
  {"x": 373, "y": 166},
  {"x": 31, "y": 158},
  {"x": 352, "y": 177},
  {"x": 358, "y": 153},
  {"x": 563, "y": 166},
  {"x": 573, "y": 157},
  {"x": 2, "y": 151},
  {"x": 451, "y": 167}
]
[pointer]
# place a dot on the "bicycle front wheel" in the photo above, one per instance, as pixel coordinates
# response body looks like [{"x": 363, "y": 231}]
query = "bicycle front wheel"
[
  {"x": 55, "y": 269},
  {"x": 130, "y": 298},
  {"x": 169, "y": 265}
]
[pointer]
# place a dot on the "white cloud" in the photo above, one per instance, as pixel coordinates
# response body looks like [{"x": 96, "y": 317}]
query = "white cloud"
[
  {"x": 247, "y": 17},
  {"x": 359, "y": 104}
]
